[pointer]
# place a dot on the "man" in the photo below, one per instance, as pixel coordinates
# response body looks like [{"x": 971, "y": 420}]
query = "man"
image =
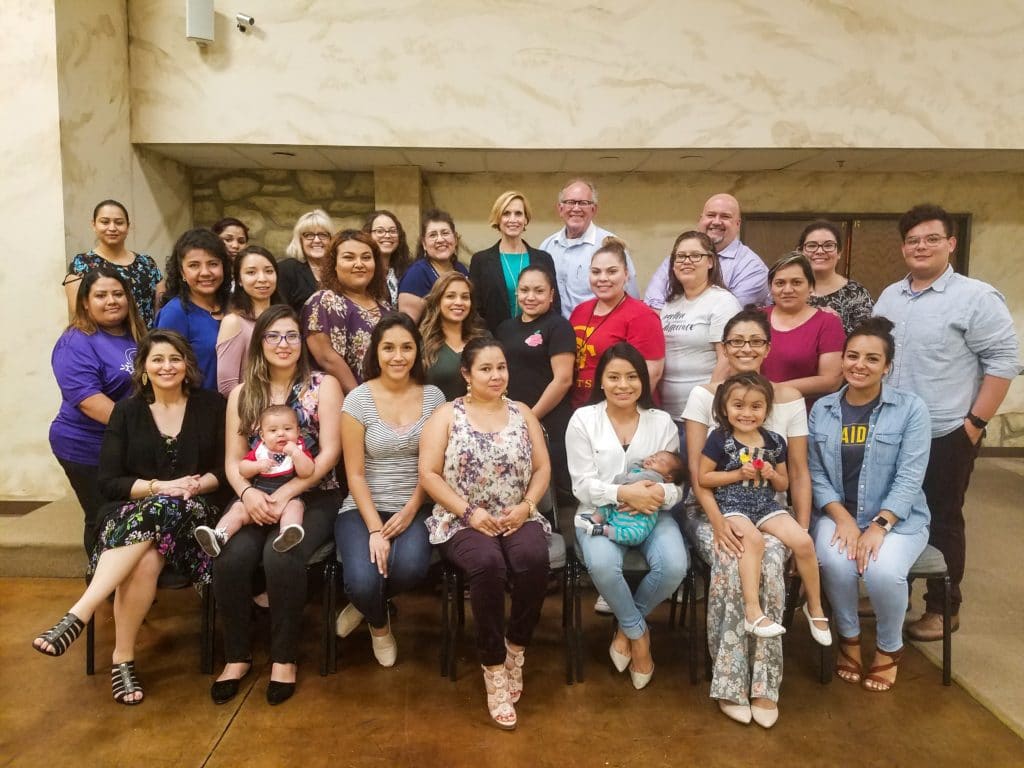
[
  {"x": 956, "y": 349},
  {"x": 572, "y": 246},
  {"x": 743, "y": 272}
]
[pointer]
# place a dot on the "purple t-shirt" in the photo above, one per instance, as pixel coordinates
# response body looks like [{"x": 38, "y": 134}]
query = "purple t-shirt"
[{"x": 87, "y": 365}]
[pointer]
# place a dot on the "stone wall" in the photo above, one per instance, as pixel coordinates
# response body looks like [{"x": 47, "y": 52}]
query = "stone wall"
[{"x": 270, "y": 201}]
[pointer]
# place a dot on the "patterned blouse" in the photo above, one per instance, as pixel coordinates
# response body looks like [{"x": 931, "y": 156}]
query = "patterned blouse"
[
  {"x": 852, "y": 302},
  {"x": 491, "y": 470},
  {"x": 346, "y": 324},
  {"x": 142, "y": 275}
]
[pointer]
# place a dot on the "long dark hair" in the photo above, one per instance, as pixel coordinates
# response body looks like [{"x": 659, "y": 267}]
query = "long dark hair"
[
  {"x": 748, "y": 380},
  {"x": 378, "y": 286},
  {"x": 623, "y": 350},
  {"x": 193, "y": 377},
  {"x": 241, "y": 302},
  {"x": 83, "y": 322},
  {"x": 401, "y": 258},
  {"x": 371, "y": 361},
  {"x": 204, "y": 240},
  {"x": 675, "y": 288}
]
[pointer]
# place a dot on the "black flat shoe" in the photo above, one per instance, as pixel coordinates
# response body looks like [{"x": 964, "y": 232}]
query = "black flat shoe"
[
  {"x": 278, "y": 693},
  {"x": 223, "y": 691}
]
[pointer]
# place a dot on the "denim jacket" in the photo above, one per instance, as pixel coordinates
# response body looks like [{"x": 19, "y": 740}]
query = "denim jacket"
[{"x": 895, "y": 458}]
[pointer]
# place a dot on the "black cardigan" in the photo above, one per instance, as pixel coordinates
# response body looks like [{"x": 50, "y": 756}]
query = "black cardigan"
[
  {"x": 133, "y": 449},
  {"x": 295, "y": 282},
  {"x": 489, "y": 294}
]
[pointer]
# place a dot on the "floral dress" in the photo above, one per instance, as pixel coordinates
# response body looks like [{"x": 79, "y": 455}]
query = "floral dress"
[
  {"x": 167, "y": 521},
  {"x": 346, "y": 324},
  {"x": 852, "y": 303},
  {"x": 491, "y": 470},
  {"x": 142, "y": 275}
]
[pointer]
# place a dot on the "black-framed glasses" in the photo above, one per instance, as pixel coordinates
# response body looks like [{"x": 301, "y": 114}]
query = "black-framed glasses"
[
  {"x": 829, "y": 246},
  {"x": 693, "y": 257},
  {"x": 930, "y": 240},
  {"x": 274, "y": 339},
  {"x": 382, "y": 232},
  {"x": 741, "y": 343},
  {"x": 577, "y": 203},
  {"x": 309, "y": 237}
]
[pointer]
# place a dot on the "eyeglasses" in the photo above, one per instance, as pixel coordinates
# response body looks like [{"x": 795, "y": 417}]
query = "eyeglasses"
[
  {"x": 930, "y": 240},
  {"x": 829, "y": 246},
  {"x": 577, "y": 203},
  {"x": 741, "y": 343},
  {"x": 309, "y": 237},
  {"x": 694, "y": 258},
  {"x": 381, "y": 232},
  {"x": 443, "y": 234},
  {"x": 274, "y": 339}
]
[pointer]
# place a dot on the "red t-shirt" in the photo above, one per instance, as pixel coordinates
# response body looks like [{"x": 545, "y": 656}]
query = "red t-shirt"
[
  {"x": 632, "y": 321},
  {"x": 795, "y": 353}
]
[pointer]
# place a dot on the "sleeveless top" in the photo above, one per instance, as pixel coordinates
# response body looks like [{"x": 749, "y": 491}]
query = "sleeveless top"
[{"x": 491, "y": 470}]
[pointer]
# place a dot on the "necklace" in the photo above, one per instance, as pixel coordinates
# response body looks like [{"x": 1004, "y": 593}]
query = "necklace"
[
  {"x": 589, "y": 330},
  {"x": 510, "y": 277}
]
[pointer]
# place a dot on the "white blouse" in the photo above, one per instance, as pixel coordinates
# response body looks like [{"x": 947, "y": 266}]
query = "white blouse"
[
  {"x": 595, "y": 454},
  {"x": 787, "y": 419}
]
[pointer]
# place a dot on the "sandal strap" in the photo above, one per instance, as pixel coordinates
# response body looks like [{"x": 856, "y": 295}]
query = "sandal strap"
[
  {"x": 62, "y": 634},
  {"x": 124, "y": 682}
]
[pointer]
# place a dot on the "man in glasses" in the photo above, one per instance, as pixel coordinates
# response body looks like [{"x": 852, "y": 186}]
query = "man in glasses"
[
  {"x": 743, "y": 271},
  {"x": 572, "y": 246},
  {"x": 955, "y": 348}
]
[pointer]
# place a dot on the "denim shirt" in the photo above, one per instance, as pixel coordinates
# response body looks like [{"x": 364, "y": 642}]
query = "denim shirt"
[{"x": 895, "y": 458}]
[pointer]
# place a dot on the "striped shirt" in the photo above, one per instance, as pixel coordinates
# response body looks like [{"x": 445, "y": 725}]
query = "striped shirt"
[{"x": 391, "y": 451}]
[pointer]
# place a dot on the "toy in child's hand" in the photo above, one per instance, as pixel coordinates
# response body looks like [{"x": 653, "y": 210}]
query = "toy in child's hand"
[
  {"x": 758, "y": 464},
  {"x": 745, "y": 457}
]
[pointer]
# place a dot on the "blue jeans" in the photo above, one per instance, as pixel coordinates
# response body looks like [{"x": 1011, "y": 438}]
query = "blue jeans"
[
  {"x": 885, "y": 580},
  {"x": 667, "y": 556},
  {"x": 408, "y": 561}
]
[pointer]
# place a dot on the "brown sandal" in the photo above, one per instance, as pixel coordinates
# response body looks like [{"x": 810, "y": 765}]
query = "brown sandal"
[
  {"x": 884, "y": 685},
  {"x": 846, "y": 663}
]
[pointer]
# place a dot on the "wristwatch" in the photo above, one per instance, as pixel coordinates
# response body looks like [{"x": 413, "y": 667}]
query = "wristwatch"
[
  {"x": 881, "y": 521},
  {"x": 977, "y": 421}
]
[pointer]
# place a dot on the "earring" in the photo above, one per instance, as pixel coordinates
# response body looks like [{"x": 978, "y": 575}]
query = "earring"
[
  {"x": 468, "y": 398},
  {"x": 145, "y": 378}
]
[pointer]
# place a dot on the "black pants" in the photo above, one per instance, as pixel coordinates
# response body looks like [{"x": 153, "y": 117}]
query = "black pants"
[
  {"x": 945, "y": 485},
  {"x": 83, "y": 479},
  {"x": 286, "y": 579}
]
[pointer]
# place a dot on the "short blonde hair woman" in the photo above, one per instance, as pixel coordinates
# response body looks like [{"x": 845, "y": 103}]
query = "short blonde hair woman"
[{"x": 299, "y": 275}]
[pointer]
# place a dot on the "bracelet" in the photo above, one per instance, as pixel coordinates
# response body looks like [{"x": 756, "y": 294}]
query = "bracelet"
[
  {"x": 241, "y": 496},
  {"x": 375, "y": 530},
  {"x": 468, "y": 513},
  {"x": 530, "y": 503},
  {"x": 152, "y": 487}
]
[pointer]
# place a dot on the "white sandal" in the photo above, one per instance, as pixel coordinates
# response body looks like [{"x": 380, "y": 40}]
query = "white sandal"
[
  {"x": 499, "y": 703},
  {"x": 514, "y": 662},
  {"x": 760, "y": 628}
]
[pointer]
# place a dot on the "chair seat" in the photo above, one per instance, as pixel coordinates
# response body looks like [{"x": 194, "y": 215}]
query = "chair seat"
[
  {"x": 634, "y": 560},
  {"x": 931, "y": 563},
  {"x": 321, "y": 553},
  {"x": 556, "y": 552}
]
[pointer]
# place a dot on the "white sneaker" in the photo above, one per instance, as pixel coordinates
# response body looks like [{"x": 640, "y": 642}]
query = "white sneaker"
[
  {"x": 601, "y": 606},
  {"x": 385, "y": 649},
  {"x": 289, "y": 537},
  {"x": 210, "y": 539},
  {"x": 348, "y": 620}
]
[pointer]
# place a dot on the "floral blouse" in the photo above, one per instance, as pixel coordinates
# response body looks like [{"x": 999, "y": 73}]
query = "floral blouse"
[
  {"x": 142, "y": 275},
  {"x": 852, "y": 303},
  {"x": 491, "y": 470},
  {"x": 346, "y": 324}
]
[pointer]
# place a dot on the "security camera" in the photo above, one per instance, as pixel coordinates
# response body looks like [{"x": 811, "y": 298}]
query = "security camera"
[{"x": 245, "y": 21}]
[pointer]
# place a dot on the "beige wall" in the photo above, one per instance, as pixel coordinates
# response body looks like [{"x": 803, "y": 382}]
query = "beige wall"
[{"x": 530, "y": 74}]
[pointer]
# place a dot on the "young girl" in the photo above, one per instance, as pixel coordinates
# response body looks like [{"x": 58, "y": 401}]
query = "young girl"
[
  {"x": 278, "y": 456},
  {"x": 745, "y": 465}
]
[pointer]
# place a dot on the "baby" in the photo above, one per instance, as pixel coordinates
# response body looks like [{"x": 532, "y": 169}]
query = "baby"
[
  {"x": 623, "y": 527},
  {"x": 278, "y": 456}
]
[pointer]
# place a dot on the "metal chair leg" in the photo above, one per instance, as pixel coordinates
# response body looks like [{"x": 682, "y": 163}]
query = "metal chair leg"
[
  {"x": 947, "y": 631},
  {"x": 90, "y": 647},
  {"x": 207, "y": 630},
  {"x": 445, "y": 619}
]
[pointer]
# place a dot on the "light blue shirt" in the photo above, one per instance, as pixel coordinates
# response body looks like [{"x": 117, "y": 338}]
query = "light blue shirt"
[
  {"x": 895, "y": 458},
  {"x": 948, "y": 338},
  {"x": 743, "y": 272},
  {"x": 572, "y": 265}
]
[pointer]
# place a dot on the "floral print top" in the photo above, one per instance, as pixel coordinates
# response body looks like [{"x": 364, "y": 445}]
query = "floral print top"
[
  {"x": 852, "y": 303},
  {"x": 491, "y": 470},
  {"x": 142, "y": 275},
  {"x": 346, "y": 324}
]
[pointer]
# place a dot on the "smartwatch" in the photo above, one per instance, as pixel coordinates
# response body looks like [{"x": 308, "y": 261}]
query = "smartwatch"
[
  {"x": 977, "y": 421},
  {"x": 881, "y": 521}
]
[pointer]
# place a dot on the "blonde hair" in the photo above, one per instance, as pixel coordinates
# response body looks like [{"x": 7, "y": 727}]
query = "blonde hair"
[
  {"x": 432, "y": 325},
  {"x": 504, "y": 200},
  {"x": 308, "y": 222}
]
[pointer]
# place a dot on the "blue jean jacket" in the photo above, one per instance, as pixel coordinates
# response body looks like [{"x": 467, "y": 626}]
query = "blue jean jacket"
[{"x": 895, "y": 458}]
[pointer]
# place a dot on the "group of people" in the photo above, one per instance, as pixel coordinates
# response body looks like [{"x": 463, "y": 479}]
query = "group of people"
[{"x": 401, "y": 404}]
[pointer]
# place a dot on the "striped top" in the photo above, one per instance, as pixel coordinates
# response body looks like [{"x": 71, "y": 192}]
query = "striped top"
[{"x": 391, "y": 451}]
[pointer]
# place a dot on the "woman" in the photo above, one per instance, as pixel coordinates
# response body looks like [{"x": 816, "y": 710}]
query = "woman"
[
  {"x": 482, "y": 459},
  {"x": 807, "y": 342},
  {"x": 277, "y": 372},
  {"x": 495, "y": 272},
  {"x": 234, "y": 234},
  {"x": 619, "y": 426},
  {"x": 338, "y": 320},
  {"x": 747, "y": 670},
  {"x": 110, "y": 223},
  {"x": 93, "y": 362},
  {"x": 380, "y": 533},
  {"x": 299, "y": 275},
  {"x": 197, "y": 296},
  {"x": 869, "y": 451},
  {"x": 387, "y": 231},
  {"x": 438, "y": 254},
  {"x": 541, "y": 347},
  {"x": 822, "y": 243},
  {"x": 695, "y": 312},
  {"x": 611, "y": 317},
  {"x": 254, "y": 276},
  {"x": 162, "y": 456},
  {"x": 449, "y": 323}
]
